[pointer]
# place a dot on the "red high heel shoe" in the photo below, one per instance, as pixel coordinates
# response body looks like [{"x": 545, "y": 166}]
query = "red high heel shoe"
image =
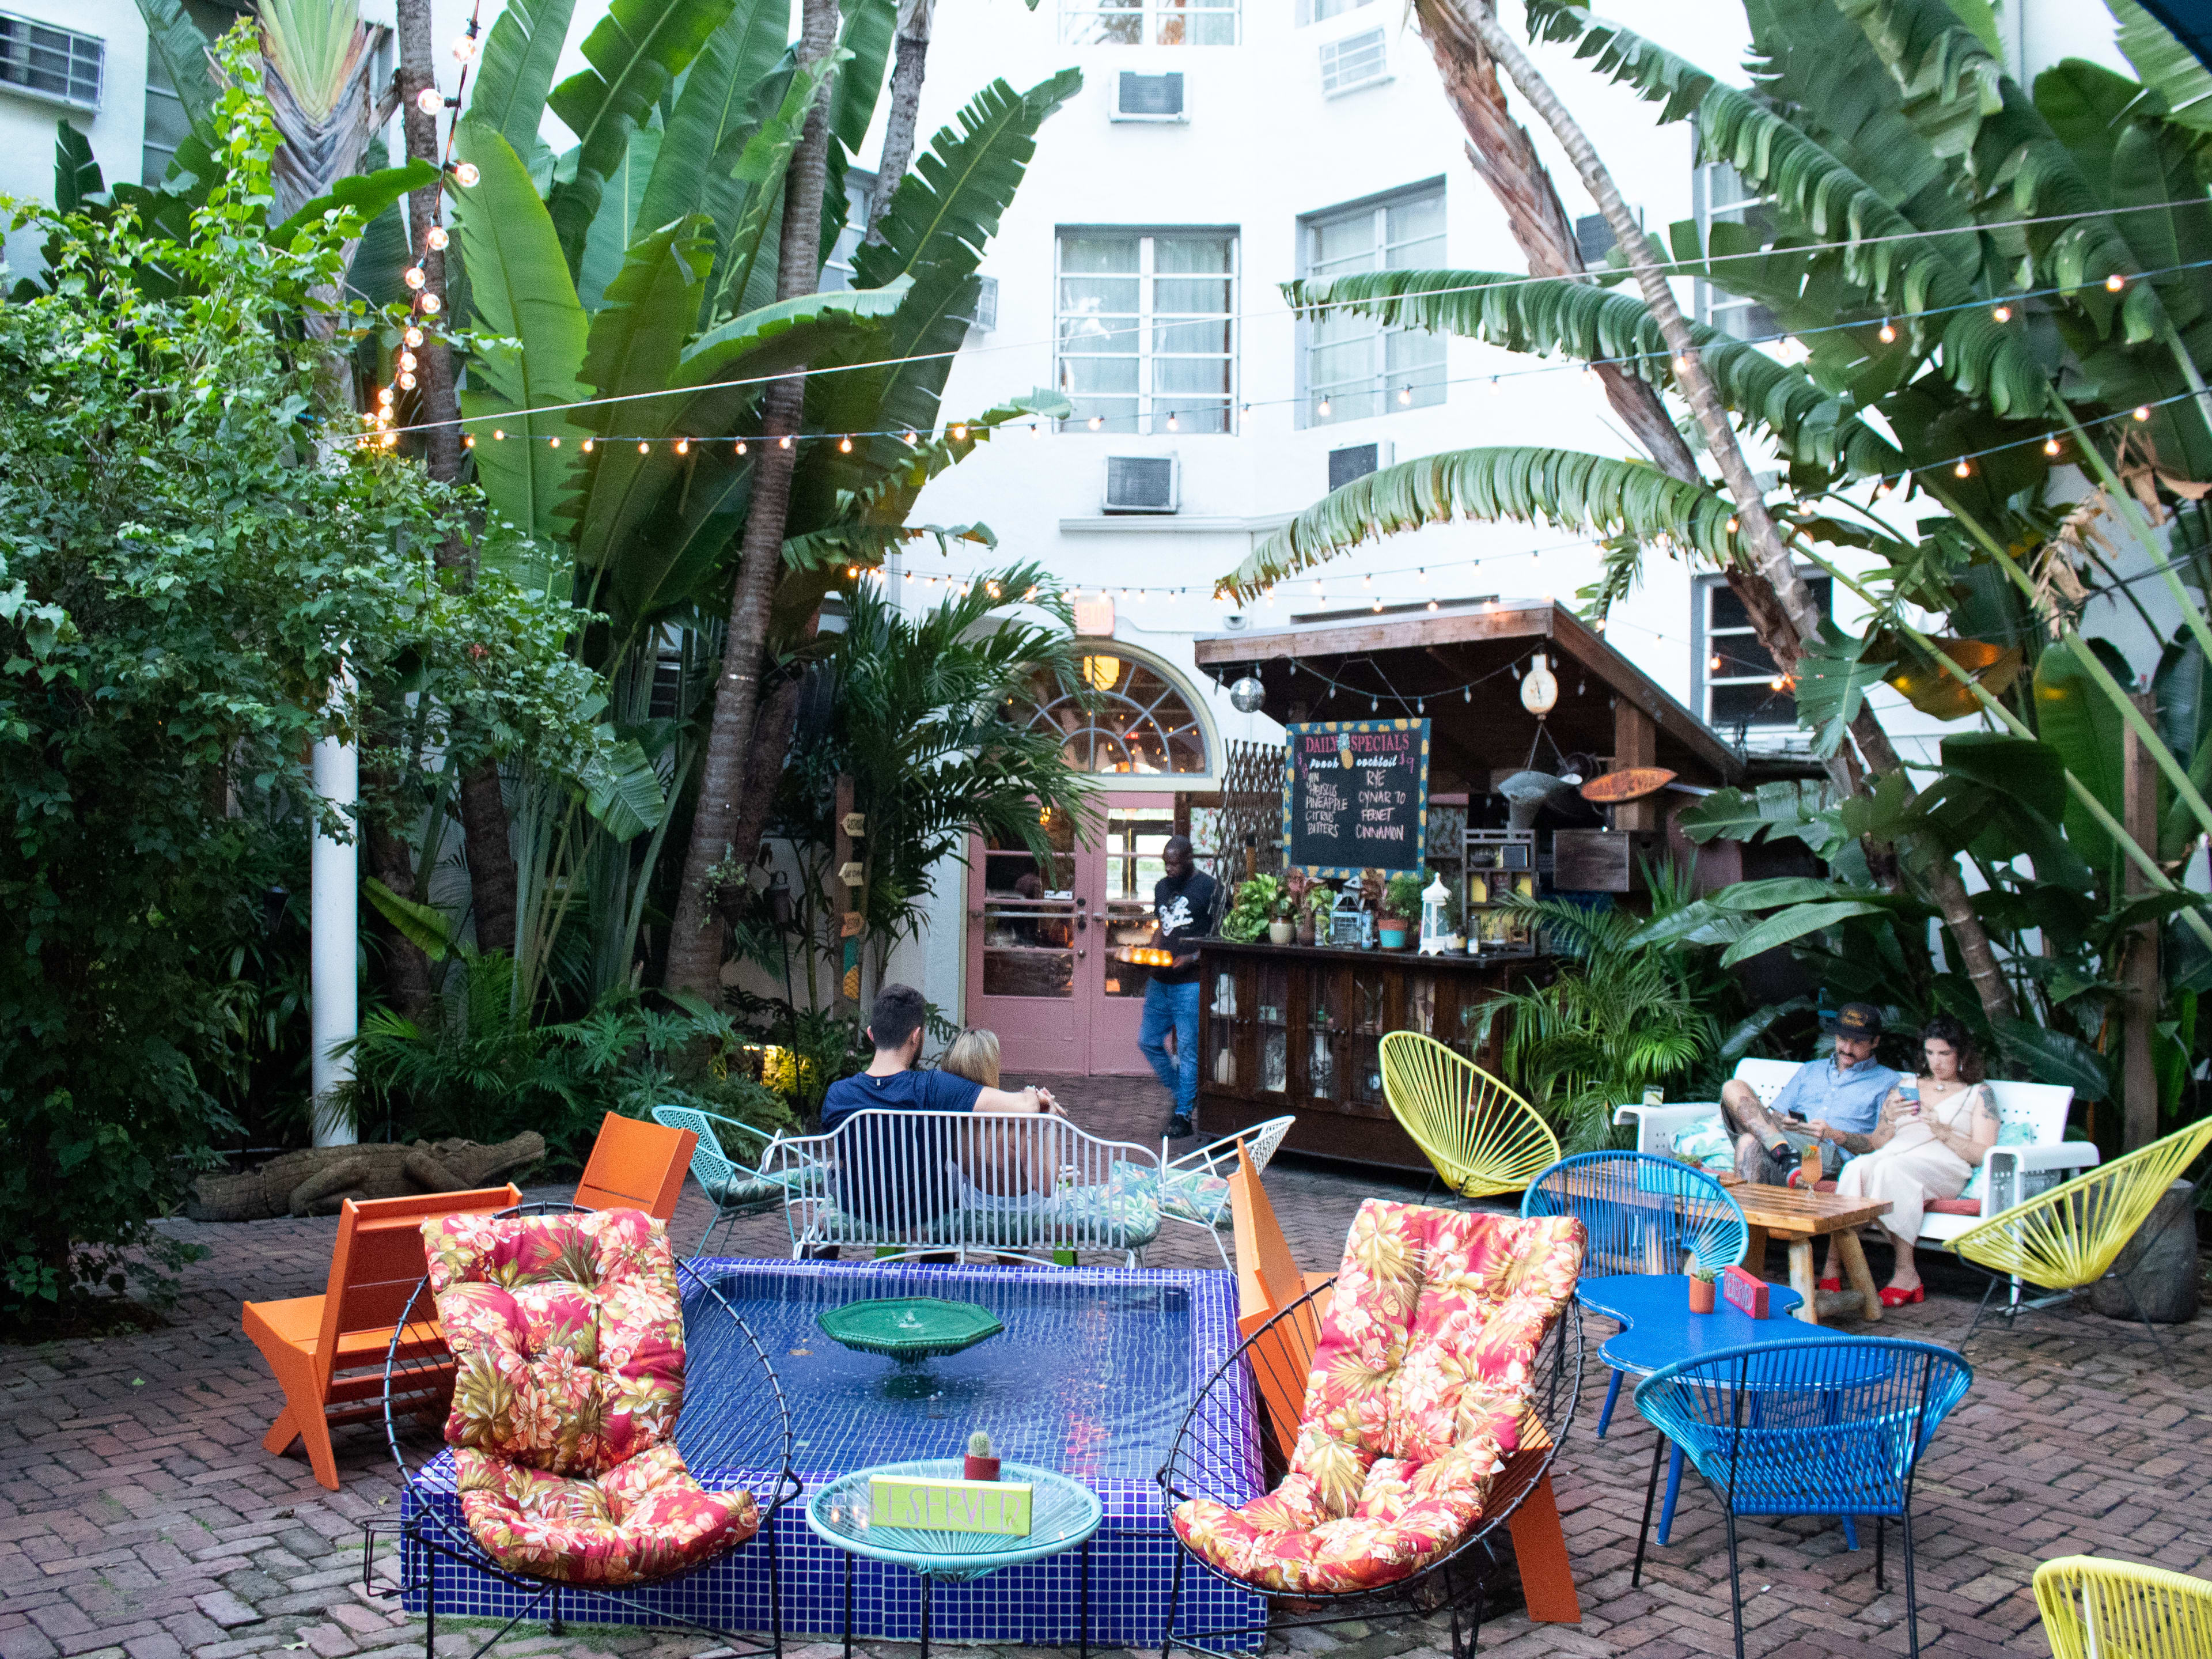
[
  {"x": 1891, "y": 1297},
  {"x": 1832, "y": 1284}
]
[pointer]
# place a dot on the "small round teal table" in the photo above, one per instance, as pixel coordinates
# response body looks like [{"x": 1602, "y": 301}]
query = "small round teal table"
[{"x": 1063, "y": 1515}]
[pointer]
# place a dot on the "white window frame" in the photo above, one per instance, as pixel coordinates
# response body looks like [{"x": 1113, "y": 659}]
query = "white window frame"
[
  {"x": 1381, "y": 71},
  {"x": 1150, "y": 420},
  {"x": 1769, "y": 737},
  {"x": 1154, "y": 17},
  {"x": 1719, "y": 195},
  {"x": 837, "y": 268},
  {"x": 1308, "y": 394},
  {"x": 16, "y": 46}
]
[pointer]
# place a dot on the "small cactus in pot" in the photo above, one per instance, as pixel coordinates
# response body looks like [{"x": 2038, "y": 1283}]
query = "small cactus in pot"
[{"x": 980, "y": 1462}]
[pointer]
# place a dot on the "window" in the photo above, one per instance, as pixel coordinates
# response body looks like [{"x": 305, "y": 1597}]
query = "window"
[
  {"x": 1354, "y": 366},
  {"x": 1137, "y": 721},
  {"x": 1146, "y": 329},
  {"x": 1740, "y": 689},
  {"x": 50, "y": 62},
  {"x": 1593, "y": 239},
  {"x": 837, "y": 269},
  {"x": 1148, "y": 22},
  {"x": 1356, "y": 61},
  {"x": 1721, "y": 198}
]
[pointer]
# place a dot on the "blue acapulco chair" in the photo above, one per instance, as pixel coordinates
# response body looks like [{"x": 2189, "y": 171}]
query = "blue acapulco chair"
[
  {"x": 1643, "y": 1215},
  {"x": 738, "y": 1190},
  {"x": 1833, "y": 1427}
]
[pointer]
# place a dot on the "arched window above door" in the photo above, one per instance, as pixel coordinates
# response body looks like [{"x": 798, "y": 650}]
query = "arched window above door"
[{"x": 1137, "y": 721}]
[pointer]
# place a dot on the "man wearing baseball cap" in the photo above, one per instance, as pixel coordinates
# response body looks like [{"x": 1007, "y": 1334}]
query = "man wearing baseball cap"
[{"x": 1841, "y": 1095}]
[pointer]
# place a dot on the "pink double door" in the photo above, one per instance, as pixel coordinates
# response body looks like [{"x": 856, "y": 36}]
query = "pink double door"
[{"x": 1043, "y": 935}]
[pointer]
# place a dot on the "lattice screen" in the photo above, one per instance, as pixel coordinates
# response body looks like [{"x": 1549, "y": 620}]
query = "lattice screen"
[{"x": 1251, "y": 804}]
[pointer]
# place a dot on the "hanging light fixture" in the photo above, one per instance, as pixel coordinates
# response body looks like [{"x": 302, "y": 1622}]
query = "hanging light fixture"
[
  {"x": 1539, "y": 692},
  {"x": 1247, "y": 694}
]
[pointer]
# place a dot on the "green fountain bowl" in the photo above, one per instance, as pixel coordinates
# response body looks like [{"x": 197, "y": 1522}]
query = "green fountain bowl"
[{"x": 908, "y": 1329}]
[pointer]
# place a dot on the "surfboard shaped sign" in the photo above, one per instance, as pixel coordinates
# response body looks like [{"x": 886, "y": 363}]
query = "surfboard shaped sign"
[{"x": 1629, "y": 783}]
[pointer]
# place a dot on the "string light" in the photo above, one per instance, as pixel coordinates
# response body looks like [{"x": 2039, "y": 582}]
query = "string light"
[
  {"x": 468, "y": 441},
  {"x": 465, "y": 46},
  {"x": 1097, "y": 422},
  {"x": 1888, "y": 333},
  {"x": 682, "y": 445},
  {"x": 588, "y": 446},
  {"x": 845, "y": 445},
  {"x": 2142, "y": 411},
  {"x": 741, "y": 446},
  {"x": 499, "y": 434},
  {"x": 1731, "y": 523},
  {"x": 1494, "y": 388},
  {"x": 430, "y": 101},
  {"x": 1962, "y": 470},
  {"x": 1681, "y": 365},
  {"x": 2051, "y": 446},
  {"x": 1404, "y": 394},
  {"x": 2115, "y": 282},
  {"x": 414, "y": 276},
  {"x": 784, "y": 442},
  {"x": 1433, "y": 605},
  {"x": 413, "y": 336},
  {"x": 432, "y": 305},
  {"x": 406, "y": 381},
  {"x": 959, "y": 434},
  {"x": 2002, "y": 313},
  {"x": 384, "y": 394},
  {"x": 553, "y": 443},
  {"x": 1424, "y": 573},
  {"x": 1172, "y": 425},
  {"x": 1324, "y": 409},
  {"x": 645, "y": 449},
  {"x": 406, "y": 360},
  {"x": 465, "y": 175},
  {"x": 436, "y": 237}
]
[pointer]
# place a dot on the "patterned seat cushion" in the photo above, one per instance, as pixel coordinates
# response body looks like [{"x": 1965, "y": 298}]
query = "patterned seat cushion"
[
  {"x": 568, "y": 1339},
  {"x": 1418, "y": 1392}
]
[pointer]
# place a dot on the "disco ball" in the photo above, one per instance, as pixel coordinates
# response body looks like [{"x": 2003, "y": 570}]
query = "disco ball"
[{"x": 1247, "y": 694}]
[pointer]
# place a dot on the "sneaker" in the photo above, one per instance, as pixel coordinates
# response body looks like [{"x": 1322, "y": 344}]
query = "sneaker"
[{"x": 1180, "y": 1128}]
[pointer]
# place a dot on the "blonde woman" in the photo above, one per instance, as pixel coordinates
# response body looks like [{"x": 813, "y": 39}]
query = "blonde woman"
[{"x": 975, "y": 1055}]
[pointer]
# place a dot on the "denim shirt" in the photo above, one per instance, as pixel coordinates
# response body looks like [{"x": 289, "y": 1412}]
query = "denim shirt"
[{"x": 1849, "y": 1101}]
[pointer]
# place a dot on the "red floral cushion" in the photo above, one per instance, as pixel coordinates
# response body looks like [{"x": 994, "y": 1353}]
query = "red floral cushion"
[
  {"x": 568, "y": 1332},
  {"x": 643, "y": 1519},
  {"x": 1418, "y": 1390}
]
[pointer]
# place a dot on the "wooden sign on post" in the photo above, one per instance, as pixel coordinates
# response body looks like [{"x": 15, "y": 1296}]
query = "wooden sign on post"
[{"x": 1355, "y": 796}]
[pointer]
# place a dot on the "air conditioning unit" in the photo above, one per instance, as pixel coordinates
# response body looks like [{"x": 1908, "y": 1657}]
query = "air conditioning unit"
[
  {"x": 1149, "y": 97},
  {"x": 1142, "y": 483},
  {"x": 1358, "y": 460},
  {"x": 1356, "y": 61}
]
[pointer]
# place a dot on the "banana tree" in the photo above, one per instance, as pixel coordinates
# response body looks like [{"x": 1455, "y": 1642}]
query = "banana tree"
[{"x": 654, "y": 303}]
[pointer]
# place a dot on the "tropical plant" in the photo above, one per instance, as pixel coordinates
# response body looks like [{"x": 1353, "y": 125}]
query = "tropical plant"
[
  {"x": 1402, "y": 897},
  {"x": 1619, "y": 1016},
  {"x": 200, "y": 554},
  {"x": 1257, "y": 900}
]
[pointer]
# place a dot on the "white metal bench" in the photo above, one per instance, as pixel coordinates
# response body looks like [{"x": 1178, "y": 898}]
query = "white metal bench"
[
  {"x": 1197, "y": 1184},
  {"x": 912, "y": 1183},
  {"x": 2010, "y": 1174}
]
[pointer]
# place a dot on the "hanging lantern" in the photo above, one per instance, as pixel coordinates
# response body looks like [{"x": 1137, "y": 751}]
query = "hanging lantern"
[
  {"x": 1539, "y": 692},
  {"x": 1100, "y": 673},
  {"x": 1247, "y": 694},
  {"x": 1436, "y": 925}
]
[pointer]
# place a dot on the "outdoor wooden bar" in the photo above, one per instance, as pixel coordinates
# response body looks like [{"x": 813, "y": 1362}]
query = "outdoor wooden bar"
[{"x": 1286, "y": 1027}]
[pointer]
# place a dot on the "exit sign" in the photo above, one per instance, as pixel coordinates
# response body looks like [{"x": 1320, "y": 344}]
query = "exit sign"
[
  {"x": 1094, "y": 616},
  {"x": 992, "y": 1506}
]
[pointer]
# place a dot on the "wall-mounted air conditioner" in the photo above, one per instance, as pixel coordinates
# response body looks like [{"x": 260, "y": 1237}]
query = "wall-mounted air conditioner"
[
  {"x": 1142, "y": 483},
  {"x": 1356, "y": 61},
  {"x": 1358, "y": 460},
  {"x": 1149, "y": 97}
]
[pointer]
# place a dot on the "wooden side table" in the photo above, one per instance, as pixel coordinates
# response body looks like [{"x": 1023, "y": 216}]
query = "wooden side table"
[{"x": 1799, "y": 1217}]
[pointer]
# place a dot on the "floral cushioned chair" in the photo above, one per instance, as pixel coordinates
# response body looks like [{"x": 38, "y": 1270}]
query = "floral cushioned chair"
[
  {"x": 1420, "y": 1393},
  {"x": 567, "y": 1335}
]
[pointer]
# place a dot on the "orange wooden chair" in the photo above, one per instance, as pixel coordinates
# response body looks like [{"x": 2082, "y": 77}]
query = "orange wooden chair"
[
  {"x": 1267, "y": 1281},
  {"x": 328, "y": 1350},
  {"x": 636, "y": 1165}
]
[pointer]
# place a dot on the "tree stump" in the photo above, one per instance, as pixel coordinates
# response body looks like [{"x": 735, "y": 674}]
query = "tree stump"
[
  {"x": 2160, "y": 1264},
  {"x": 317, "y": 1181}
]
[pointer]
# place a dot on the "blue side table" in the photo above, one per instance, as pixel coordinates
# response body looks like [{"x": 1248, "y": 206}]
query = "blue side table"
[
  {"x": 1064, "y": 1513},
  {"x": 1659, "y": 1328}
]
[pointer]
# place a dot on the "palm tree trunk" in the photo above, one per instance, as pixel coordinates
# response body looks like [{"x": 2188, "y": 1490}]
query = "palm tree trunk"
[
  {"x": 484, "y": 830},
  {"x": 915, "y": 18},
  {"x": 1770, "y": 556},
  {"x": 725, "y": 779}
]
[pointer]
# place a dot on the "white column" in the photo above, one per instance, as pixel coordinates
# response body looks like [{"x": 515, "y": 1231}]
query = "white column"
[{"x": 336, "y": 872}]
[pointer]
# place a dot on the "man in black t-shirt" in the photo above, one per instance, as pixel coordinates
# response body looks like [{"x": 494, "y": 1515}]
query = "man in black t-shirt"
[{"x": 1183, "y": 910}]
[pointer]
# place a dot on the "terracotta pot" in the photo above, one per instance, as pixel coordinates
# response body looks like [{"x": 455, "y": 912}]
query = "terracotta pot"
[
  {"x": 1279, "y": 933},
  {"x": 1701, "y": 1294},
  {"x": 987, "y": 1469}
]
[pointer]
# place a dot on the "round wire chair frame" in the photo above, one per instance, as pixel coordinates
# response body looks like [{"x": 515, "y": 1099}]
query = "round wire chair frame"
[
  {"x": 1434, "y": 1587},
  {"x": 436, "y": 1536},
  {"x": 1718, "y": 1239},
  {"x": 1482, "y": 1137}
]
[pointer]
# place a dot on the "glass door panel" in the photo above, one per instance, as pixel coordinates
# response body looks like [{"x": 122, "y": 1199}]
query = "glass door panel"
[{"x": 1026, "y": 946}]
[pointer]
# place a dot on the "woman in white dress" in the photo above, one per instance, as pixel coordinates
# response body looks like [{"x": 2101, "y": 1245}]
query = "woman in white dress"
[{"x": 1929, "y": 1141}]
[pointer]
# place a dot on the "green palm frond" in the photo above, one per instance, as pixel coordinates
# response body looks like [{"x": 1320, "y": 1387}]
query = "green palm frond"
[
  {"x": 514, "y": 72},
  {"x": 1563, "y": 486},
  {"x": 2165, "y": 65},
  {"x": 1556, "y": 316}
]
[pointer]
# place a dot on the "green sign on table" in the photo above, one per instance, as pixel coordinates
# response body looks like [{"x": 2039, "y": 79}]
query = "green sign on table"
[{"x": 992, "y": 1506}]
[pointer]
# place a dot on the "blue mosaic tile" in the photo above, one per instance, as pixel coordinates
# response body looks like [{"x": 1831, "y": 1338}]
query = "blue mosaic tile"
[{"x": 1094, "y": 1375}]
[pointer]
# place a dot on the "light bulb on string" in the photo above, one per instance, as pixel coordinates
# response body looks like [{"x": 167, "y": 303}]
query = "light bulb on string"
[
  {"x": 1374, "y": 705},
  {"x": 413, "y": 336},
  {"x": 553, "y": 443},
  {"x": 2115, "y": 282},
  {"x": 430, "y": 101},
  {"x": 1378, "y": 604},
  {"x": 784, "y": 442},
  {"x": 586, "y": 446},
  {"x": 2002, "y": 313},
  {"x": 844, "y": 446},
  {"x": 1494, "y": 388},
  {"x": 2142, "y": 411},
  {"x": 2051, "y": 446},
  {"x": 432, "y": 305},
  {"x": 1036, "y": 430},
  {"x": 465, "y": 46},
  {"x": 406, "y": 360},
  {"x": 1962, "y": 470},
  {"x": 468, "y": 440},
  {"x": 1466, "y": 694},
  {"x": 1173, "y": 426},
  {"x": 645, "y": 449},
  {"x": 499, "y": 434},
  {"x": 959, "y": 434},
  {"x": 1097, "y": 422},
  {"x": 1424, "y": 573},
  {"x": 683, "y": 446},
  {"x": 1404, "y": 394},
  {"x": 741, "y": 446},
  {"x": 384, "y": 394},
  {"x": 406, "y": 381},
  {"x": 465, "y": 175},
  {"x": 436, "y": 236},
  {"x": 1324, "y": 409},
  {"x": 1433, "y": 605},
  {"x": 415, "y": 276},
  {"x": 1887, "y": 333}
]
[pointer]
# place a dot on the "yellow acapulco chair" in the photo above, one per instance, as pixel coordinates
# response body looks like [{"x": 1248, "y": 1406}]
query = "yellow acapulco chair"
[
  {"x": 2097, "y": 1608},
  {"x": 2066, "y": 1239},
  {"x": 1483, "y": 1139}
]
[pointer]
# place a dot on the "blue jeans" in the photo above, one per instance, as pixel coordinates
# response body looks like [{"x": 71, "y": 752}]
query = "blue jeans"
[{"x": 1172, "y": 1008}]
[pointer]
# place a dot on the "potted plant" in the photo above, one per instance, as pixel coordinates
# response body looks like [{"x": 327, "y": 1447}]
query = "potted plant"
[
  {"x": 1701, "y": 1288},
  {"x": 1282, "y": 925},
  {"x": 1253, "y": 909},
  {"x": 1402, "y": 910},
  {"x": 1313, "y": 917},
  {"x": 980, "y": 1464}
]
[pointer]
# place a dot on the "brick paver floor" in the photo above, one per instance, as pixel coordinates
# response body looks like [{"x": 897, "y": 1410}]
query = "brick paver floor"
[{"x": 140, "y": 1516}]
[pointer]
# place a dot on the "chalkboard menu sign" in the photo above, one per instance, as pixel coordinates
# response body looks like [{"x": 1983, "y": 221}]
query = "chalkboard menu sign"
[{"x": 1355, "y": 796}]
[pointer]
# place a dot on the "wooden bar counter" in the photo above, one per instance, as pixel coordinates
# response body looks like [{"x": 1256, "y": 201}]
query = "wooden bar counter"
[{"x": 1296, "y": 1029}]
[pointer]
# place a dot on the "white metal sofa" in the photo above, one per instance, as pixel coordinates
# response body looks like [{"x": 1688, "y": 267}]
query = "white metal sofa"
[
  {"x": 2011, "y": 1174},
  {"x": 1196, "y": 1187},
  {"x": 912, "y": 1183}
]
